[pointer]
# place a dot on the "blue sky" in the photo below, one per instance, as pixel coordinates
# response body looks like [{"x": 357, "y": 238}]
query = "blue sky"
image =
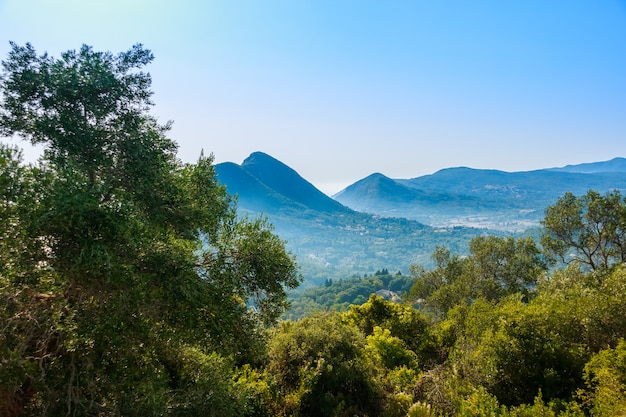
[{"x": 341, "y": 89}]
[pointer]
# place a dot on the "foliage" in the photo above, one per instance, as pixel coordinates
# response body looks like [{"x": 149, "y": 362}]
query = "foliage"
[
  {"x": 389, "y": 350},
  {"x": 125, "y": 270},
  {"x": 130, "y": 286},
  {"x": 338, "y": 295},
  {"x": 514, "y": 350},
  {"x": 529, "y": 350},
  {"x": 590, "y": 230},
  {"x": 496, "y": 267},
  {"x": 605, "y": 377},
  {"x": 402, "y": 321},
  {"x": 319, "y": 368},
  {"x": 498, "y": 335}
]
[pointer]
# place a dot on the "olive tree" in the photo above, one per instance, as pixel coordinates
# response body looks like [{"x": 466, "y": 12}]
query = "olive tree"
[
  {"x": 589, "y": 230},
  {"x": 495, "y": 268},
  {"x": 125, "y": 272}
]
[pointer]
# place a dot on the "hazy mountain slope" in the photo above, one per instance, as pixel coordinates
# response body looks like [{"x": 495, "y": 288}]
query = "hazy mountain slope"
[
  {"x": 380, "y": 194},
  {"x": 252, "y": 193},
  {"x": 614, "y": 165},
  {"x": 478, "y": 197},
  {"x": 287, "y": 182},
  {"x": 542, "y": 184},
  {"x": 333, "y": 241},
  {"x": 328, "y": 239}
]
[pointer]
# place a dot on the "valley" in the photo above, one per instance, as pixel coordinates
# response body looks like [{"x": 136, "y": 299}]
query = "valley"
[{"x": 379, "y": 222}]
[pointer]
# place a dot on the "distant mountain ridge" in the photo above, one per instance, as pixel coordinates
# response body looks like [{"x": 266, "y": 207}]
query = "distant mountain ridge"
[
  {"x": 287, "y": 182},
  {"x": 379, "y": 222},
  {"x": 329, "y": 239},
  {"x": 264, "y": 184},
  {"x": 614, "y": 165},
  {"x": 479, "y": 197}
]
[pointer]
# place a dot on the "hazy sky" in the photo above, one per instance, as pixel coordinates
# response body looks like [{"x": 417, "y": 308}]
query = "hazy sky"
[{"x": 341, "y": 89}]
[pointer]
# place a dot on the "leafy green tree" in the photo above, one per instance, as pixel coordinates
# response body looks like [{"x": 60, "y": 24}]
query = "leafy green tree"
[
  {"x": 514, "y": 349},
  {"x": 402, "y": 321},
  {"x": 389, "y": 350},
  {"x": 444, "y": 286},
  {"x": 126, "y": 271},
  {"x": 530, "y": 351},
  {"x": 506, "y": 354},
  {"x": 587, "y": 310},
  {"x": 590, "y": 230},
  {"x": 504, "y": 266},
  {"x": 319, "y": 368},
  {"x": 396, "y": 370},
  {"x": 605, "y": 377},
  {"x": 495, "y": 268}
]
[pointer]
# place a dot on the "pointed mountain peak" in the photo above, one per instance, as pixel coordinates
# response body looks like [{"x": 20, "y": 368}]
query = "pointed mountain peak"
[
  {"x": 378, "y": 177},
  {"x": 375, "y": 185},
  {"x": 261, "y": 157},
  {"x": 262, "y": 161},
  {"x": 287, "y": 182}
]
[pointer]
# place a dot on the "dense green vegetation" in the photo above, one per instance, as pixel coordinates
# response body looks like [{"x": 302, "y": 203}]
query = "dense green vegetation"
[
  {"x": 123, "y": 272},
  {"x": 339, "y": 295},
  {"x": 129, "y": 286}
]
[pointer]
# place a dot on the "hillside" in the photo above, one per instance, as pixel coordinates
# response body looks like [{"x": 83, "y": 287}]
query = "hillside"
[
  {"x": 286, "y": 182},
  {"x": 614, "y": 165},
  {"x": 329, "y": 239},
  {"x": 511, "y": 201},
  {"x": 379, "y": 222},
  {"x": 382, "y": 195}
]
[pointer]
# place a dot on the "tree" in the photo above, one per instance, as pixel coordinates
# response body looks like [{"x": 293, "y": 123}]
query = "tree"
[
  {"x": 504, "y": 266},
  {"x": 319, "y": 368},
  {"x": 516, "y": 350},
  {"x": 403, "y": 322},
  {"x": 496, "y": 267},
  {"x": 443, "y": 287},
  {"x": 590, "y": 230},
  {"x": 125, "y": 270},
  {"x": 605, "y": 377}
]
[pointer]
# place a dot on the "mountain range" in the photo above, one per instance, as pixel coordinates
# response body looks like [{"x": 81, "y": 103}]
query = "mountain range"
[
  {"x": 379, "y": 222},
  {"x": 510, "y": 201},
  {"x": 329, "y": 239},
  {"x": 264, "y": 184}
]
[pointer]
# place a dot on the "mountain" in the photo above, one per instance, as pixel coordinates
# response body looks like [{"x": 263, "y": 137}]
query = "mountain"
[
  {"x": 614, "y": 165},
  {"x": 329, "y": 239},
  {"x": 380, "y": 222},
  {"x": 263, "y": 184},
  {"x": 287, "y": 182},
  {"x": 377, "y": 187},
  {"x": 251, "y": 192},
  {"x": 382, "y": 195},
  {"x": 502, "y": 200}
]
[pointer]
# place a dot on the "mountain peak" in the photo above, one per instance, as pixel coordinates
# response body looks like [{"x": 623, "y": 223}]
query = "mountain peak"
[
  {"x": 285, "y": 182},
  {"x": 377, "y": 176},
  {"x": 367, "y": 193},
  {"x": 261, "y": 157},
  {"x": 260, "y": 161}
]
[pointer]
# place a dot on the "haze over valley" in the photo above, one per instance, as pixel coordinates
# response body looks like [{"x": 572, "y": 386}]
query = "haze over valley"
[{"x": 379, "y": 222}]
